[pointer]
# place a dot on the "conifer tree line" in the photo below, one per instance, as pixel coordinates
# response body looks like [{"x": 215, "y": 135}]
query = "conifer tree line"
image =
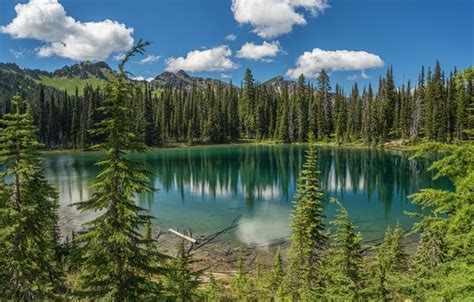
[
  {"x": 116, "y": 257},
  {"x": 434, "y": 108}
]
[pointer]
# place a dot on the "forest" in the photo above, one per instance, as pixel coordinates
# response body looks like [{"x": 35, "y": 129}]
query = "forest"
[
  {"x": 435, "y": 108},
  {"x": 116, "y": 257}
]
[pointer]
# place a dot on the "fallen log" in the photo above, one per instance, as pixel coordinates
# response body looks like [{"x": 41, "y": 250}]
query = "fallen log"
[{"x": 192, "y": 240}]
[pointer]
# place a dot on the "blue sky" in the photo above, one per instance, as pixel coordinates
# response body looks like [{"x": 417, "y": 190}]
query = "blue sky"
[{"x": 355, "y": 40}]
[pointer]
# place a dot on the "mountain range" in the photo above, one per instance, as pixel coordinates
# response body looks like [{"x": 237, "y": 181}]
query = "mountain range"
[{"x": 95, "y": 74}]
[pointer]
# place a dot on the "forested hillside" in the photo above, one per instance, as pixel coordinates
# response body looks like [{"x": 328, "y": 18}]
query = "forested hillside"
[{"x": 178, "y": 107}]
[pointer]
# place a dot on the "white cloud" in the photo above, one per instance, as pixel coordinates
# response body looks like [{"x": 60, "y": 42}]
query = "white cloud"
[
  {"x": 149, "y": 59},
  {"x": 142, "y": 78},
  {"x": 213, "y": 59},
  {"x": 362, "y": 75},
  {"x": 226, "y": 76},
  {"x": 352, "y": 77},
  {"x": 119, "y": 56},
  {"x": 271, "y": 18},
  {"x": 256, "y": 52},
  {"x": 231, "y": 37},
  {"x": 17, "y": 53},
  {"x": 310, "y": 63},
  {"x": 46, "y": 20}
]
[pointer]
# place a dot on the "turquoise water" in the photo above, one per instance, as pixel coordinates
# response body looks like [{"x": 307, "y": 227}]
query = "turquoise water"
[{"x": 203, "y": 189}]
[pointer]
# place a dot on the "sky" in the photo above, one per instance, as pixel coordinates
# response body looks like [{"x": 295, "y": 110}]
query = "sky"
[{"x": 355, "y": 40}]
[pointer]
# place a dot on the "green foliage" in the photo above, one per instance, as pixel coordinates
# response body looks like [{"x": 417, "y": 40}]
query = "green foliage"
[
  {"x": 115, "y": 261},
  {"x": 437, "y": 108},
  {"x": 274, "y": 279},
  {"x": 307, "y": 227},
  {"x": 29, "y": 268},
  {"x": 242, "y": 286},
  {"x": 213, "y": 290},
  {"x": 446, "y": 248},
  {"x": 343, "y": 263},
  {"x": 181, "y": 282}
]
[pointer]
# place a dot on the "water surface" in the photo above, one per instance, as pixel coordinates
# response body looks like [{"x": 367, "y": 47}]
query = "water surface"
[{"x": 205, "y": 188}]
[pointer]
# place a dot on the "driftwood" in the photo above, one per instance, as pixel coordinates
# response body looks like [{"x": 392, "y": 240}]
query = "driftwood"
[{"x": 192, "y": 240}]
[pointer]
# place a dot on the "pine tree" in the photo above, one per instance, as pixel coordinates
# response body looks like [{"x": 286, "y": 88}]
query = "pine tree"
[
  {"x": 384, "y": 264},
  {"x": 398, "y": 254},
  {"x": 302, "y": 109},
  {"x": 115, "y": 262},
  {"x": 323, "y": 105},
  {"x": 241, "y": 284},
  {"x": 181, "y": 282},
  {"x": 418, "y": 108},
  {"x": 341, "y": 115},
  {"x": 307, "y": 227},
  {"x": 213, "y": 291},
  {"x": 283, "y": 131},
  {"x": 274, "y": 280},
  {"x": 389, "y": 105},
  {"x": 343, "y": 263},
  {"x": 28, "y": 238}
]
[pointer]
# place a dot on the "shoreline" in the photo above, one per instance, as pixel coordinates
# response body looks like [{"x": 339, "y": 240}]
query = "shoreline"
[{"x": 395, "y": 145}]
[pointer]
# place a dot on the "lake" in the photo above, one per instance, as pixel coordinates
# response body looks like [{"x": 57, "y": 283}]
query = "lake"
[{"x": 203, "y": 189}]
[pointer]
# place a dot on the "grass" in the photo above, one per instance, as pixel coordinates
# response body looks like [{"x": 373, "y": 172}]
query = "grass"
[{"x": 70, "y": 84}]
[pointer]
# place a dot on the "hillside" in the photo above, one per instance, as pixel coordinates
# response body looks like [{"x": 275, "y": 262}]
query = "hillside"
[
  {"x": 183, "y": 80},
  {"x": 66, "y": 78},
  {"x": 86, "y": 73}
]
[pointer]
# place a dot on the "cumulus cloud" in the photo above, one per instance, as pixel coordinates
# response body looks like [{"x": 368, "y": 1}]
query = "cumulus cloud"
[
  {"x": 231, "y": 37},
  {"x": 271, "y": 18},
  {"x": 226, "y": 76},
  {"x": 149, "y": 59},
  {"x": 213, "y": 59},
  {"x": 253, "y": 51},
  {"x": 310, "y": 63},
  {"x": 46, "y": 20},
  {"x": 142, "y": 78}
]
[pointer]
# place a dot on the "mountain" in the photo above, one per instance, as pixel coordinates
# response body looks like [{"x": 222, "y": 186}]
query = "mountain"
[
  {"x": 277, "y": 83},
  {"x": 184, "y": 80},
  {"x": 79, "y": 75},
  {"x": 66, "y": 78},
  {"x": 84, "y": 70}
]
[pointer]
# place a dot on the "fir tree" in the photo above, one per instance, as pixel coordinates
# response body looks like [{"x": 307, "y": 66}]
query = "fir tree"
[
  {"x": 28, "y": 238},
  {"x": 343, "y": 264},
  {"x": 241, "y": 284},
  {"x": 181, "y": 282},
  {"x": 275, "y": 276},
  {"x": 115, "y": 262},
  {"x": 307, "y": 227}
]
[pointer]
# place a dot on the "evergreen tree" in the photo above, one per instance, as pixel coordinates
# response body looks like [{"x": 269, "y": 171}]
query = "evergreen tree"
[
  {"x": 28, "y": 239},
  {"x": 343, "y": 263},
  {"x": 274, "y": 282},
  {"x": 241, "y": 284},
  {"x": 307, "y": 227},
  {"x": 213, "y": 291},
  {"x": 283, "y": 133},
  {"x": 115, "y": 262},
  {"x": 323, "y": 105},
  {"x": 399, "y": 256},
  {"x": 182, "y": 282}
]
